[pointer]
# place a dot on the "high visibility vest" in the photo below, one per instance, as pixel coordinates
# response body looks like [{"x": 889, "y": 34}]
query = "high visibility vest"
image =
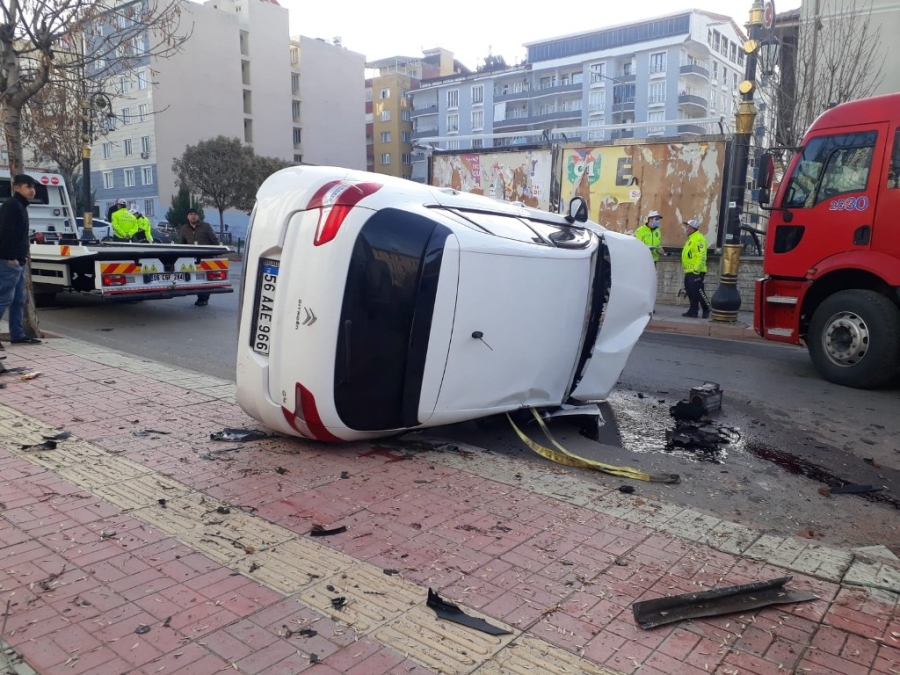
[
  {"x": 650, "y": 236},
  {"x": 124, "y": 224},
  {"x": 143, "y": 224},
  {"x": 693, "y": 255}
]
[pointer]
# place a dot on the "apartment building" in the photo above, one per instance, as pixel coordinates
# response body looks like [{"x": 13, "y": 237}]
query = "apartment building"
[
  {"x": 239, "y": 75},
  {"x": 677, "y": 68},
  {"x": 388, "y": 129}
]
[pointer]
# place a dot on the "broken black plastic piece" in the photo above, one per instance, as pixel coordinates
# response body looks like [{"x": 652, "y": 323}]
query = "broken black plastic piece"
[
  {"x": 314, "y": 658},
  {"x": 142, "y": 629},
  {"x": 307, "y": 632},
  {"x": 61, "y": 436},
  {"x": 450, "y": 612},
  {"x": 627, "y": 489},
  {"x": 238, "y": 435},
  {"x": 854, "y": 489},
  {"x": 715, "y": 602},
  {"x": 46, "y": 445},
  {"x": 339, "y": 602},
  {"x": 319, "y": 531}
]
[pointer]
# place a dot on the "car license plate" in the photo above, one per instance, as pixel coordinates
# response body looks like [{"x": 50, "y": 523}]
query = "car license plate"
[
  {"x": 176, "y": 276},
  {"x": 267, "y": 282}
]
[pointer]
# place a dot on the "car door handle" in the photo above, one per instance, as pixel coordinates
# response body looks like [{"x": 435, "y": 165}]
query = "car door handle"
[{"x": 862, "y": 235}]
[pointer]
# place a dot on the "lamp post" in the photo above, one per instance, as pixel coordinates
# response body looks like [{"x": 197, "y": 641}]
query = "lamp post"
[
  {"x": 88, "y": 103},
  {"x": 726, "y": 301}
]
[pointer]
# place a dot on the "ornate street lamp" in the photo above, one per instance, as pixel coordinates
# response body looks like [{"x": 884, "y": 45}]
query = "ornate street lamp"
[{"x": 97, "y": 100}]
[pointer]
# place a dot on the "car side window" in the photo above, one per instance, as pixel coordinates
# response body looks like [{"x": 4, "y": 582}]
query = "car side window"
[
  {"x": 894, "y": 170},
  {"x": 830, "y": 166}
]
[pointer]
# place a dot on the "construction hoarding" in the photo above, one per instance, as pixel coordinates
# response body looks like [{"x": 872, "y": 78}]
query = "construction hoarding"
[{"x": 620, "y": 183}]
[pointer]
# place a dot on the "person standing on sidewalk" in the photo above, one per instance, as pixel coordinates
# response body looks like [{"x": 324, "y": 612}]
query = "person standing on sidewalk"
[
  {"x": 198, "y": 232},
  {"x": 14, "y": 250},
  {"x": 650, "y": 235},
  {"x": 693, "y": 260}
]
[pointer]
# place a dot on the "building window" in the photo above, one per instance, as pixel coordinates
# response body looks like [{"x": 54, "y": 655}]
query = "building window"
[
  {"x": 295, "y": 56},
  {"x": 126, "y": 116},
  {"x": 477, "y": 94},
  {"x": 298, "y": 136},
  {"x": 598, "y": 73},
  {"x": 548, "y": 82},
  {"x": 406, "y": 158},
  {"x": 149, "y": 208},
  {"x": 143, "y": 112},
  {"x": 733, "y": 52},
  {"x": 452, "y": 123},
  {"x": 735, "y": 75},
  {"x": 724, "y": 76},
  {"x": 298, "y": 159},
  {"x": 129, "y": 177},
  {"x": 146, "y": 175},
  {"x": 141, "y": 79},
  {"x": 715, "y": 70},
  {"x": 657, "y": 116},
  {"x": 129, "y": 150},
  {"x": 111, "y": 123},
  {"x": 596, "y": 135},
  {"x": 108, "y": 182},
  {"x": 477, "y": 120},
  {"x": 453, "y": 145},
  {"x": 123, "y": 85},
  {"x": 478, "y": 143},
  {"x": 405, "y": 136},
  {"x": 385, "y": 115},
  {"x": 404, "y": 115},
  {"x": 657, "y": 93},
  {"x": 740, "y": 58},
  {"x": 385, "y": 93},
  {"x": 628, "y": 68},
  {"x": 658, "y": 62},
  {"x": 453, "y": 98},
  {"x": 145, "y": 145},
  {"x": 385, "y": 136},
  {"x": 107, "y": 150},
  {"x": 385, "y": 158},
  {"x": 248, "y": 130},
  {"x": 595, "y": 102},
  {"x": 295, "y": 82},
  {"x": 295, "y": 110}
]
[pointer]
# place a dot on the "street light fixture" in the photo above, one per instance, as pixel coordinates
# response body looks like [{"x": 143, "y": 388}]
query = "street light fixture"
[{"x": 97, "y": 100}]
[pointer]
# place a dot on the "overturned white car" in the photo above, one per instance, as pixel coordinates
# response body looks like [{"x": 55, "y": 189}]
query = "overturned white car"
[{"x": 373, "y": 305}]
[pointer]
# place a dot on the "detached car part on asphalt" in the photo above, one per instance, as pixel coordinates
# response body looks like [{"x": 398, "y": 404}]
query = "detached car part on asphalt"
[{"x": 373, "y": 305}]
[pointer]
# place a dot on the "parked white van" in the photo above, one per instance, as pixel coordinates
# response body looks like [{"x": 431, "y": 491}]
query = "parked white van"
[{"x": 373, "y": 305}]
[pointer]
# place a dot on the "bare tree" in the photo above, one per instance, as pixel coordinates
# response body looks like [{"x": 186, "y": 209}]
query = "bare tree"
[
  {"x": 80, "y": 41},
  {"x": 834, "y": 54}
]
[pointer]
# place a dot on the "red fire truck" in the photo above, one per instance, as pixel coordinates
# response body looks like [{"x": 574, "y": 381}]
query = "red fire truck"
[{"x": 832, "y": 263}]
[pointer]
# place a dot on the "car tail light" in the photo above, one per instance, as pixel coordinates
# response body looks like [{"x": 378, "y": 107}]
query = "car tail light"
[
  {"x": 336, "y": 199},
  {"x": 216, "y": 276},
  {"x": 307, "y": 412},
  {"x": 114, "y": 280}
]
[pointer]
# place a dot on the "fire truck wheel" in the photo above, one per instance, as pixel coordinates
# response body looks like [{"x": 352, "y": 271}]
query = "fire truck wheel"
[{"x": 853, "y": 339}]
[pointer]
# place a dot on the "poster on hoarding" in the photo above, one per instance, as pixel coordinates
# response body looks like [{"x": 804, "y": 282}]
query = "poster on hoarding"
[
  {"x": 623, "y": 183},
  {"x": 518, "y": 176}
]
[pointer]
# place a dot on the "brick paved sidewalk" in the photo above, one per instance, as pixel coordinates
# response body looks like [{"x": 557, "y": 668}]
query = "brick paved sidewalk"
[{"x": 221, "y": 575}]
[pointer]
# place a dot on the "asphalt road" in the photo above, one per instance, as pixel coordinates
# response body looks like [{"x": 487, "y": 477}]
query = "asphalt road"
[{"x": 794, "y": 433}]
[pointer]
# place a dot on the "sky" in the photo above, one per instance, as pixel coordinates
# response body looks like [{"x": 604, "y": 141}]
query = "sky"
[{"x": 470, "y": 28}]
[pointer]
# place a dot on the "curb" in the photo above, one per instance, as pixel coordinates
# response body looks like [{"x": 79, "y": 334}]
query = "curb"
[{"x": 738, "y": 331}]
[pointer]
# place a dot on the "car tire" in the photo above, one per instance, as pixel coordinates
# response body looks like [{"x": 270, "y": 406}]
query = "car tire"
[{"x": 854, "y": 339}]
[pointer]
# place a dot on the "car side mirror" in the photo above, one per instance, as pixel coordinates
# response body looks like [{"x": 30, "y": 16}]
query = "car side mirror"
[
  {"x": 765, "y": 172},
  {"x": 578, "y": 210}
]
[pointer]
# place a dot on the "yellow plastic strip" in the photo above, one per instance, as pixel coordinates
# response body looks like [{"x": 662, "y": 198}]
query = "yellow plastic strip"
[{"x": 563, "y": 456}]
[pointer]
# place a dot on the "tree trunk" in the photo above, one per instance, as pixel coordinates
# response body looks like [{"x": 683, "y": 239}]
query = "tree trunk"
[
  {"x": 12, "y": 126},
  {"x": 221, "y": 224}
]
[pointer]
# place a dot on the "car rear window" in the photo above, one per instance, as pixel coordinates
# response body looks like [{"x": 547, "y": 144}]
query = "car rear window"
[{"x": 386, "y": 320}]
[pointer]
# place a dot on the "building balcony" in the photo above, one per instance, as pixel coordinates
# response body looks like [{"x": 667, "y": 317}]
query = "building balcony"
[
  {"x": 623, "y": 105},
  {"x": 624, "y": 78},
  {"x": 691, "y": 129},
  {"x": 418, "y": 111},
  {"x": 556, "y": 115},
  {"x": 693, "y": 101},
  {"x": 621, "y": 133},
  {"x": 501, "y": 95},
  {"x": 517, "y": 121},
  {"x": 695, "y": 68},
  {"x": 424, "y": 133},
  {"x": 537, "y": 92}
]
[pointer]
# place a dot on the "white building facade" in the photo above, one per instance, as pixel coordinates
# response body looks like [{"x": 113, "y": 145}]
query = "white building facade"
[
  {"x": 678, "y": 69},
  {"x": 234, "y": 77}
]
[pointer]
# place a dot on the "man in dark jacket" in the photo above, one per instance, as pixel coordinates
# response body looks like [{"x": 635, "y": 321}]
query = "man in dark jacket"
[
  {"x": 14, "y": 244},
  {"x": 201, "y": 233}
]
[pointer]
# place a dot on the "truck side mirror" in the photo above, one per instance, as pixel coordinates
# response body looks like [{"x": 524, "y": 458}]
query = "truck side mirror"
[
  {"x": 578, "y": 210},
  {"x": 765, "y": 171}
]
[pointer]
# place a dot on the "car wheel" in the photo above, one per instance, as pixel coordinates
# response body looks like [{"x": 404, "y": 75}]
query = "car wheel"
[{"x": 854, "y": 339}]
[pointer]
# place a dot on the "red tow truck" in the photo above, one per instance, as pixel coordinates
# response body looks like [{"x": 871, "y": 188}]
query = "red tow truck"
[{"x": 832, "y": 262}]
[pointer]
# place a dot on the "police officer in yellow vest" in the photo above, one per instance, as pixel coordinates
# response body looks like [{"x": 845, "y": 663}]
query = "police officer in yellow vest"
[
  {"x": 143, "y": 227},
  {"x": 650, "y": 235},
  {"x": 693, "y": 260},
  {"x": 124, "y": 223}
]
